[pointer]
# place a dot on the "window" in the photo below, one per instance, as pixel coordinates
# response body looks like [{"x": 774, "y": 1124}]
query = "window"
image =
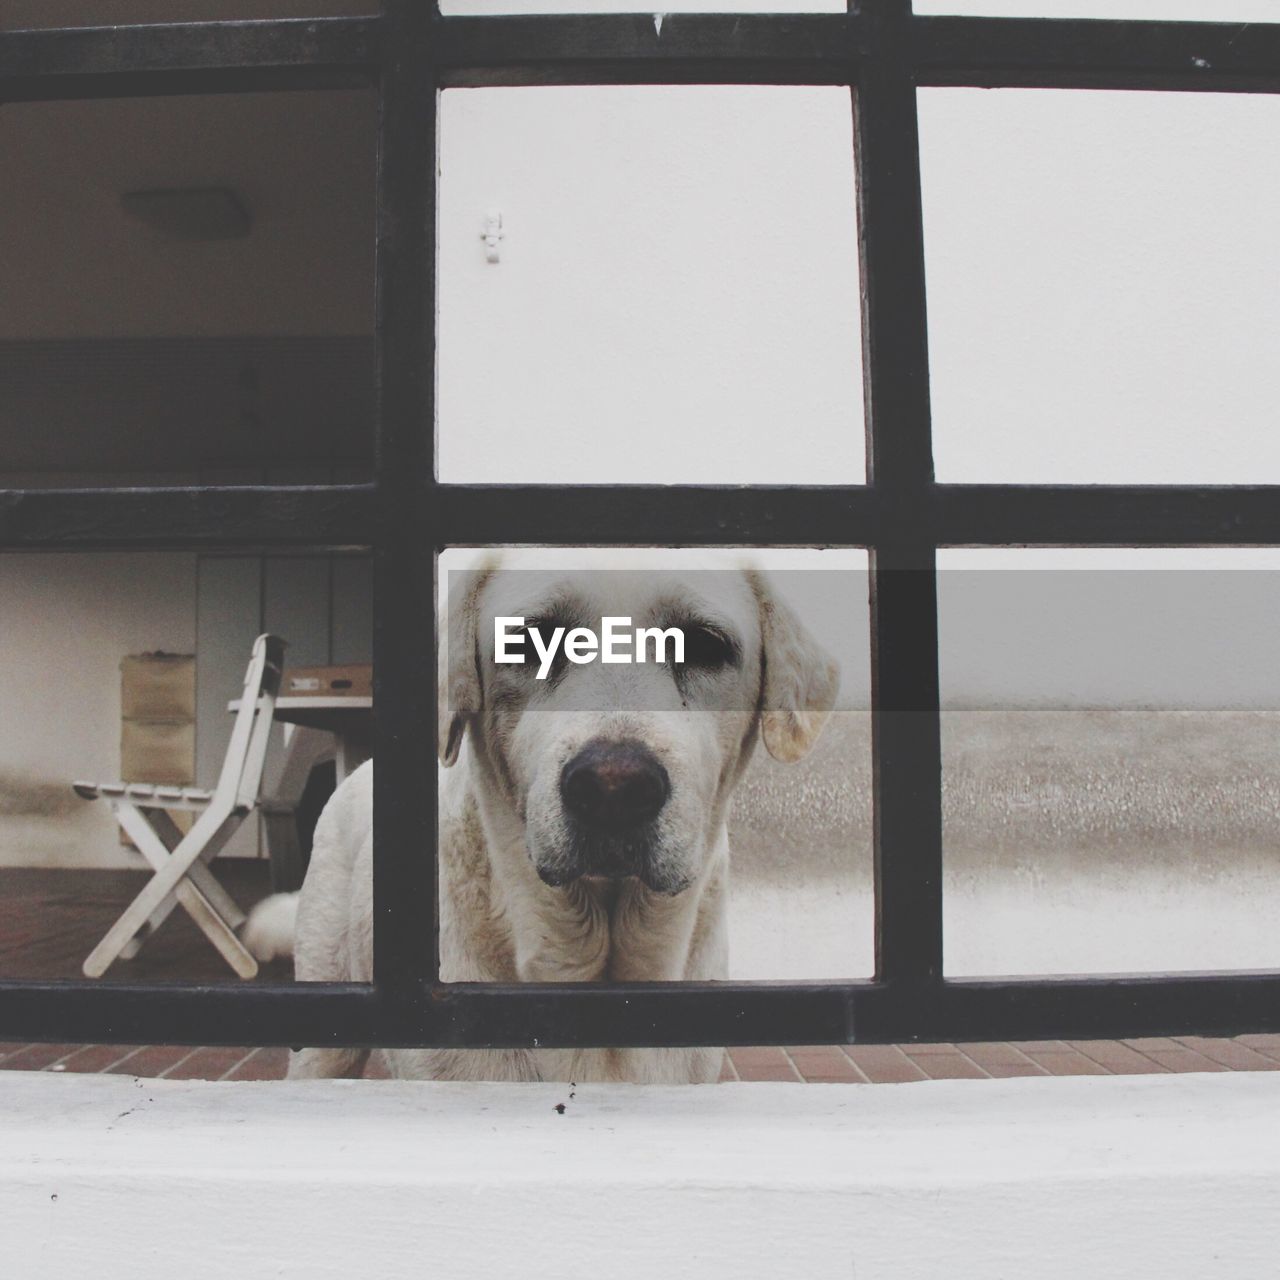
[{"x": 408, "y": 516}]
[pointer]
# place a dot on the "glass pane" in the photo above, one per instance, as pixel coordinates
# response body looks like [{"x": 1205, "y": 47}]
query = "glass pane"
[
  {"x": 130, "y": 668},
  {"x": 673, "y": 295},
  {"x": 188, "y": 290},
  {"x": 1103, "y": 285},
  {"x": 1110, "y": 763},
  {"x": 798, "y": 902}
]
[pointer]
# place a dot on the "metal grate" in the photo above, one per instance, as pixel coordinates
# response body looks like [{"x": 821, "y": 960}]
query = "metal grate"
[{"x": 902, "y": 515}]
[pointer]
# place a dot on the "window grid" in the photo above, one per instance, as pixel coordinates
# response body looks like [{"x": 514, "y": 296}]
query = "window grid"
[{"x": 884, "y": 53}]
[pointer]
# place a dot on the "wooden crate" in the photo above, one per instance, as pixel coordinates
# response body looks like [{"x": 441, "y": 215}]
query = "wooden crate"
[{"x": 352, "y": 681}]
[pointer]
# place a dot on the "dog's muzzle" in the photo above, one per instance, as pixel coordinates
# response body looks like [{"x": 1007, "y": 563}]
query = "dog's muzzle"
[
  {"x": 613, "y": 787},
  {"x": 612, "y": 793}
]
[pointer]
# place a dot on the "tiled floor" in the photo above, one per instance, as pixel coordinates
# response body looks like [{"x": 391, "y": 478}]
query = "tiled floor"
[
  {"x": 899, "y": 1063},
  {"x": 812, "y": 1064},
  {"x": 49, "y": 921}
]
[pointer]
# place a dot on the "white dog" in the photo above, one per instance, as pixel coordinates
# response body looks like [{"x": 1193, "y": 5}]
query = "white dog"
[{"x": 582, "y": 815}]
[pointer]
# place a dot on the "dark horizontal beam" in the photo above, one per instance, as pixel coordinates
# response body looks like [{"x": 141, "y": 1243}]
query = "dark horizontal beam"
[
  {"x": 1107, "y": 515},
  {"x": 654, "y": 515},
  {"x": 827, "y": 49},
  {"x": 206, "y": 57},
  {"x": 1078, "y": 1008},
  {"x": 172, "y": 1013},
  {"x": 575, "y": 1016},
  {"x": 954, "y": 515},
  {"x": 638, "y": 48},
  {"x": 338, "y": 516},
  {"x": 638, "y": 1015},
  {"x": 328, "y": 516},
  {"x": 862, "y": 1012},
  {"x": 1097, "y": 54},
  {"x": 189, "y": 57},
  {"x": 329, "y": 1014}
]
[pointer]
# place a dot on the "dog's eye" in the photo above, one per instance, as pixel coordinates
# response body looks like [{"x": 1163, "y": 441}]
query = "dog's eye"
[
  {"x": 708, "y": 649},
  {"x": 546, "y": 629}
]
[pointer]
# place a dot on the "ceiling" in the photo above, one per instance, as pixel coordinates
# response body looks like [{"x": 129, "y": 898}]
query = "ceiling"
[
  {"x": 75, "y": 264},
  {"x": 123, "y": 349}
]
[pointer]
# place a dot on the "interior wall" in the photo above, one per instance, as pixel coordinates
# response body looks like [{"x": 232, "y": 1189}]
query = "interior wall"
[{"x": 66, "y": 621}]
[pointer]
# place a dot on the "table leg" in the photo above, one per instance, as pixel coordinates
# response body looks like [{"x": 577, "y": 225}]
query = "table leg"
[
  {"x": 304, "y": 749},
  {"x": 351, "y": 751}
]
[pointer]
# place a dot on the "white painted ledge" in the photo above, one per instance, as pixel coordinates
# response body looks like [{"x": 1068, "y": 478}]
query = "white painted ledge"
[{"x": 1169, "y": 1176}]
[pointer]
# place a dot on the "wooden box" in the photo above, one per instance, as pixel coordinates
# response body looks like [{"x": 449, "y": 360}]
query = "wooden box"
[{"x": 352, "y": 681}]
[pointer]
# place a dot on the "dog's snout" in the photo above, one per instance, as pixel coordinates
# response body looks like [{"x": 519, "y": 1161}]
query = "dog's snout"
[{"x": 613, "y": 786}]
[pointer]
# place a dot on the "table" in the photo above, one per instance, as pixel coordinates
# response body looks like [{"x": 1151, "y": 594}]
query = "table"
[
  {"x": 346, "y": 721},
  {"x": 317, "y": 729}
]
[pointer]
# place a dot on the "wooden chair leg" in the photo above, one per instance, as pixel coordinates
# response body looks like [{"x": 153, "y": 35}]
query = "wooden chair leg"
[
  {"x": 217, "y": 930},
  {"x": 199, "y": 874},
  {"x": 170, "y": 880},
  {"x": 216, "y": 896}
]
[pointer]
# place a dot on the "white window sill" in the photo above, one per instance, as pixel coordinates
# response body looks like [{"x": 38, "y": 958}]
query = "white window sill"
[{"x": 1114, "y": 1176}]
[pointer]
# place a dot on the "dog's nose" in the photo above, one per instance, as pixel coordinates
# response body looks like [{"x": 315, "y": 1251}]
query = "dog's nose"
[{"x": 614, "y": 785}]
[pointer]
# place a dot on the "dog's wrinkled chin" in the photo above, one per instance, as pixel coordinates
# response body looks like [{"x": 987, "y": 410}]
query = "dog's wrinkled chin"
[{"x": 601, "y": 862}]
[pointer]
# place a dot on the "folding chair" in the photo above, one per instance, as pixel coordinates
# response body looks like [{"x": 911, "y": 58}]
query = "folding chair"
[{"x": 182, "y": 876}]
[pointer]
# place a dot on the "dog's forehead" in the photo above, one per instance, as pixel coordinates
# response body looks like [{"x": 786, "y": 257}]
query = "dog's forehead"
[{"x": 725, "y": 596}]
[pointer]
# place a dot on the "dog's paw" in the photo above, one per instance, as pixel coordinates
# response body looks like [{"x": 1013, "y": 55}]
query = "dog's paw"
[{"x": 268, "y": 932}]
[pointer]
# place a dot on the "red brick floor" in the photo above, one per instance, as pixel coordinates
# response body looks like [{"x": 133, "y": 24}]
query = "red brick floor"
[
  {"x": 50, "y": 920},
  {"x": 899, "y": 1063},
  {"x": 809, "y": 1064}
]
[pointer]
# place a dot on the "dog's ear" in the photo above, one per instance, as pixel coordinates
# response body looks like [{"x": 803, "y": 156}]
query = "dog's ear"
[
  {"x": 800, "y": 679},
  {"x": 460, "y": 693}
]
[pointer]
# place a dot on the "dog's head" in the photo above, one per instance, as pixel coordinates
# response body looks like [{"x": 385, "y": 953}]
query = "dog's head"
[{"x": 620, "y": 769}]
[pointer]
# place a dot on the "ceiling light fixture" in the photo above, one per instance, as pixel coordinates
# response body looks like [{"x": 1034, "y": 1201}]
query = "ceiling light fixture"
[{"x": 191, "y": 213}]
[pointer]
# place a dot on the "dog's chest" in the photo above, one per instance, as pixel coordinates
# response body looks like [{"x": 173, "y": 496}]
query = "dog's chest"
[{"x": 569, "y": 1067}]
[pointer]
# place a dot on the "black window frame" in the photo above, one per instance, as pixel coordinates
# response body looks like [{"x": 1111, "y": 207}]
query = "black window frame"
[{"x": 884, "y": 52}]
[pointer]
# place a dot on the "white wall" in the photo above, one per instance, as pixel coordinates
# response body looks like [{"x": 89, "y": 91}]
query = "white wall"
[
  {"x": 66, "y": 620},
  {"x": 677, "y": 294},
  {"x": 676, "y": 300},
  {"x": 1103, "y": 272}
]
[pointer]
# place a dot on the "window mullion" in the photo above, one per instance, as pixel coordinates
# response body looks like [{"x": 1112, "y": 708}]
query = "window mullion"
[{"x": 404, "y": 887}]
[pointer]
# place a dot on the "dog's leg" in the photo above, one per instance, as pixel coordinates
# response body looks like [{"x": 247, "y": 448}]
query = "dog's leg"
[{"x": 327, "y": 1064}]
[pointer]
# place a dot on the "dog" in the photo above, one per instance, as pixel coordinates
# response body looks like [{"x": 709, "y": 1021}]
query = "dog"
[{"x": 583, "y": 810}]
